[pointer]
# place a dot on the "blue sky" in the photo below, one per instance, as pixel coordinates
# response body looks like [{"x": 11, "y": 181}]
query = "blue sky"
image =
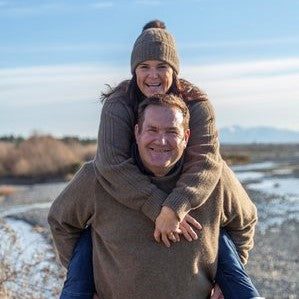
[{"x": 56, "y": 56}]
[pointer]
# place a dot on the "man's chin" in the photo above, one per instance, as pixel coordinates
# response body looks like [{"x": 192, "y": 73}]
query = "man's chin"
[{"x": 159, "y": 167}]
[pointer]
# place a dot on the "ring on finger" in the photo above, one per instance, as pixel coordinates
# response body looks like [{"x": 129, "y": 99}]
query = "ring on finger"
[{"x": 171, "y": 236}]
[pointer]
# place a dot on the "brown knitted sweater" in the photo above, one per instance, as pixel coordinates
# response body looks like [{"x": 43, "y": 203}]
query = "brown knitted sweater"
[
  {"x": 121, "y": 178},
  {"x": 127, "y": 261}
]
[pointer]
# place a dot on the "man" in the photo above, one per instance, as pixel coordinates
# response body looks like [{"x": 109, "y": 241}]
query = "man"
[{"x": 127, "y": 261}]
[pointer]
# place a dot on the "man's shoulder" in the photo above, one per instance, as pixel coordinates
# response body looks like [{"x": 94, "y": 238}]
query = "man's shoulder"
[{"x": 82, "y": 181}]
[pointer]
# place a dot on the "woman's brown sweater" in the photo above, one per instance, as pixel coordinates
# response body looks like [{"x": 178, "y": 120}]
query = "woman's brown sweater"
[{"x": 121, "y": 178}]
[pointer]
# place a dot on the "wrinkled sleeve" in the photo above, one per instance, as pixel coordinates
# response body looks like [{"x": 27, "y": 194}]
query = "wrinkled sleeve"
[
  {"x": 239, "y": 215},
  {"x": 71, "y": 212},
  {"x": 114, "y": 166},
  {"x": 203, "y": 163}
]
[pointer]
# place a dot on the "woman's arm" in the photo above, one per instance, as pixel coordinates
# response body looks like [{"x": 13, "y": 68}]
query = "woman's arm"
[{"x": 203, "y": 162}]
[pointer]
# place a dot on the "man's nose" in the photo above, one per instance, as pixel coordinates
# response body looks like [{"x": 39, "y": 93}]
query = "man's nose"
[{"x": 161, "y": 139}]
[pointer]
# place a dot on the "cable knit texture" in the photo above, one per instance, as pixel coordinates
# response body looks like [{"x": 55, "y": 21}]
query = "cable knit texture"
[{"x": 127, "y": 261}]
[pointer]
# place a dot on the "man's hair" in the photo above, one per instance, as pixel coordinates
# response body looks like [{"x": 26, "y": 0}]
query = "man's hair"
[{"x": 168, "y": 100}]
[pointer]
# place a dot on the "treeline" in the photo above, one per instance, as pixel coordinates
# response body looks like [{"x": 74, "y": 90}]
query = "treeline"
[
  {"x": 67, "y": 139},
  {"x": 43, "y": 156}
]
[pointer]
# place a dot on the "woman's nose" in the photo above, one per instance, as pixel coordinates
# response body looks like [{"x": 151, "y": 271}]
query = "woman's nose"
[{"x": 153, "y": 73}]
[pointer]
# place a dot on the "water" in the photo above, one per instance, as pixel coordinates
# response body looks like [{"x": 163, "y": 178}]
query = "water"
[
  {"x": 280, "y": 187},
  {"x": 255, "y": 166}
]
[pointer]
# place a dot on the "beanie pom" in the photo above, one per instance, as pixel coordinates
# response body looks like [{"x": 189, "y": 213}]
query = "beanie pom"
[{"x": 154, "y": 24}]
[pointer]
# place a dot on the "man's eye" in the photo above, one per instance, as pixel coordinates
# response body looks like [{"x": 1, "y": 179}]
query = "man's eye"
[{"x": 173, "y": 132}]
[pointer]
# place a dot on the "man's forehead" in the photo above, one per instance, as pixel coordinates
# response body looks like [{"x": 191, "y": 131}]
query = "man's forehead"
[{"x": 163, "y": 114}]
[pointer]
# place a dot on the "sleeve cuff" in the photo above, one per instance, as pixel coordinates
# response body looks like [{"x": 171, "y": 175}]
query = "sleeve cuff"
[
  {"x": 153, "y": 205},
  {"x": 180, "y": 205}
]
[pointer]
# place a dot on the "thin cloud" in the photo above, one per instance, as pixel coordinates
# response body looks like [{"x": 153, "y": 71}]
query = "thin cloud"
[
  {"x": 258, "y": 99},
  {"x": 258, "y": 68},
  {"x": 78, "y": 47},
  {"x": 18, "y": 10},
  {"x": 148, "y": 2},
  {"x": 101, "y": 5},
  {"x": 241, "y": 43},
  {"x": 55, "y": 84},
  {"x": 32, "y": 10}
]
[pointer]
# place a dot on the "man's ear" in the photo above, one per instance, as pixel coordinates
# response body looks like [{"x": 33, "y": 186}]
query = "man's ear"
[
  {"x": 136, "y": 132},
  {"x": 186, "y": 136}
]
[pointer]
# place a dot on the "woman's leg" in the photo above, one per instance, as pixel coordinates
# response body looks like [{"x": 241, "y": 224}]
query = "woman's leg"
[
  {"x": 79, "y": 283},
  {"x": 231, "y": 276}
]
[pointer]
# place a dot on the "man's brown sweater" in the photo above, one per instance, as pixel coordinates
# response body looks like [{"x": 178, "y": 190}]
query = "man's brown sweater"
[{"x": 127, "y": 261}]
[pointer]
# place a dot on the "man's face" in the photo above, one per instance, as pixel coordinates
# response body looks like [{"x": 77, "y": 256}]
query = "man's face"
[{"x": 162, "y": 139}]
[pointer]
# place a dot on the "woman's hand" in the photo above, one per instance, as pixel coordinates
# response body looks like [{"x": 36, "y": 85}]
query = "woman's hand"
[
  {"x": 169, "y": 229},
  {"x": 216, "y": 293},
  {"x": 167, "y": 226}
]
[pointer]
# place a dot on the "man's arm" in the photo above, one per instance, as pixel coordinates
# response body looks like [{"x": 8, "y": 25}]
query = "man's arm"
[
  {"x": 239, "y": 213},
  {"x": 71, "y": 211}
]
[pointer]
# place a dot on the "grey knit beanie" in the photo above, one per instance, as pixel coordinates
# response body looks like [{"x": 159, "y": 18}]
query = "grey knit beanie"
[{"x": 155, "y": 43}]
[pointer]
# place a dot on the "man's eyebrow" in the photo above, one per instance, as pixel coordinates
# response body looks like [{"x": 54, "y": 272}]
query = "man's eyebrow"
[
  {"x": 151, "y": 126},
  {"x": 173, "y": 128}
]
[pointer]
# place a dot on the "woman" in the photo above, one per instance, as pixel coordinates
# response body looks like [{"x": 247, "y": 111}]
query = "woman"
[{"x": 155, "y": 66}]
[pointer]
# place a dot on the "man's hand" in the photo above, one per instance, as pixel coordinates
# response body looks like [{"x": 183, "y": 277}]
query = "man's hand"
[
  {"x": 167, "y": 226},
  {"x": 186, "y": 228},
  {"x": 216, "y": 293}
]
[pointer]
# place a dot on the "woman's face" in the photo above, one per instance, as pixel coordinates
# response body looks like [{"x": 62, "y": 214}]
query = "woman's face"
[{"x": 153, "y": 77}]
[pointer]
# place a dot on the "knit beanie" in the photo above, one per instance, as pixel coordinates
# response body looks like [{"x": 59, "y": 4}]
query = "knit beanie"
[{"x": 155, "y": 43}]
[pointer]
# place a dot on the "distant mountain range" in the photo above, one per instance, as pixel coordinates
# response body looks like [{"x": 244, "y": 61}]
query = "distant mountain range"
[{"x": 237, "y": 134}]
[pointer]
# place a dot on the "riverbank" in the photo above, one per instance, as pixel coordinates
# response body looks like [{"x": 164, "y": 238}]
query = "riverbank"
[{"x": 273, "y": 263}]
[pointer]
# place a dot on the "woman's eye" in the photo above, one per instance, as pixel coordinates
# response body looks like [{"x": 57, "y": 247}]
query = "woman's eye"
[{"x": 162, "y": 66}]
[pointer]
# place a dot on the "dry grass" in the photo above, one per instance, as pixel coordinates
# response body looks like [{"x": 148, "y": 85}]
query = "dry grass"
[
  {"x": 42, "y": 156},
  {"x": 6, "y": 190}
]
